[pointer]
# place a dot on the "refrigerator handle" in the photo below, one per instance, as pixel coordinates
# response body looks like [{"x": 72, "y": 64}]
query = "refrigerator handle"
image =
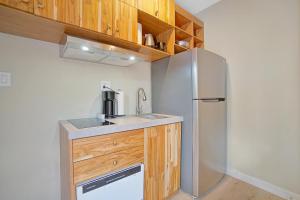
[{"x": 211, "y": 99}]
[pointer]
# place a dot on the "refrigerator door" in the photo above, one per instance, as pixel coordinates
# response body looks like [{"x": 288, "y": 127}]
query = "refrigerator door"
[
  {"x": 209, "y": 148},
  {"x": 209, "y": 74}
]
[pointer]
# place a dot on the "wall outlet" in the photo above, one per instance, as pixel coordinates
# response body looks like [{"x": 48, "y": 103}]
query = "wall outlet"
[
  {"x": 5, "y": 79},
  {"x": 104, "y": 84}
]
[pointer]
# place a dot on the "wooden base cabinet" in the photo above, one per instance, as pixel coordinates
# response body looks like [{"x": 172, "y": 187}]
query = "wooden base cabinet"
[
  {"x": 162, "y": 161},
  {"x": 157, "y": 147}
]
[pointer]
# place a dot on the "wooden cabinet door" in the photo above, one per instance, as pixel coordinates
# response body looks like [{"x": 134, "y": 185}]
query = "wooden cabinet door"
[
  {"x": 173, "y": 158},
  {"x": 106, "y": 16},
  {"x": 97, "y": 15},
  {"x": 130, "y": 2},
  {"x": 68, "y": 11},
  {"x": 26, "y": 5},
  {"x": 125, "y": 21},
  {"x": 167, "y": 11},
  {"x": 149, "y": 6},
  {"x": 154, "y": 160},
  {"x": 162, "y": 161},
  {"x": 45, "y": 8}
]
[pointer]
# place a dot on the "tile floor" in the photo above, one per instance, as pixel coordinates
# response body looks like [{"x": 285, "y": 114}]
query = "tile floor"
[{"x": 232, "y": 189}]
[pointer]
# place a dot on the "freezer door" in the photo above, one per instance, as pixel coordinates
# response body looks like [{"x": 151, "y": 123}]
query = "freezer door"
[
  {"x": 209, "y": 74},
  {"x": 209, "y": 148}
]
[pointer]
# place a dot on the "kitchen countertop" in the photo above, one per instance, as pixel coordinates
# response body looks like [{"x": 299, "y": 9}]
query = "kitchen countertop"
[{"x": 120, "y": 124}]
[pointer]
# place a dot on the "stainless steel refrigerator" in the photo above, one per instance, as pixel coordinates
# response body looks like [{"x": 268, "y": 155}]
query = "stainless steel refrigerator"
[{"x": 193, "y": 84}]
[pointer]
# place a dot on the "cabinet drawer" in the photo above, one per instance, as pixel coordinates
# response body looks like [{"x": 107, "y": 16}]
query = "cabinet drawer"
[
  {"x": 101, "y": 165},
  {"x": 92, "y": 147}
]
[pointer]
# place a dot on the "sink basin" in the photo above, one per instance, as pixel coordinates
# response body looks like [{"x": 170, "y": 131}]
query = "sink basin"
[{"x": 152, "y": 116}]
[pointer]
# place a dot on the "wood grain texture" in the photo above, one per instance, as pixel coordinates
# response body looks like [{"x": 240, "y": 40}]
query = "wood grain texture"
[
  {"x": 154, "y": 163},
  {"x": 149, "y": 6},
  {"x": 66, "y": 167},
  {"x": 45, "y": 8},
  {"x": 25, "y": 5},
  {"x": 68, "y": 11},
  {"x": 23, "y": 24},
  {"x": 92, "y": 147},
  {"x": 173, "y": 158},
  {"x": 168, "y": 37},
  {"x": 162, "y": 161},
  {"x": 89, "y": 14},
  {"x": 125, "y": 21},
  {"x": 131, "y": 2},
  {"x": 106, "y": 17},
  {"x": 188, "y": 15},
  {"x": 167, "y": 11},
  {"x": 101, "y": 165},
  {"x": 96, "y": 15}
]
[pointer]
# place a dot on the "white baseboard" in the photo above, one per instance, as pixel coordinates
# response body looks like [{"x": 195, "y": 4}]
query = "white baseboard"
[{"x": 285, "y": 194}]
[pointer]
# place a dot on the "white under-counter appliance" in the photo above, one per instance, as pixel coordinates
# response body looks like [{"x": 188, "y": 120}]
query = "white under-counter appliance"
[{"x": 126, "y": 184}]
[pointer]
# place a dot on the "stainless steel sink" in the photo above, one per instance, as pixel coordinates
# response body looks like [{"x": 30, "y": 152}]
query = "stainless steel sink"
[{"x": 152, "y": 116}]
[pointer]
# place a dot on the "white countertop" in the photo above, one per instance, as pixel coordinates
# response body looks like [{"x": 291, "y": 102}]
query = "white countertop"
[{"x": 120, "y": 124}]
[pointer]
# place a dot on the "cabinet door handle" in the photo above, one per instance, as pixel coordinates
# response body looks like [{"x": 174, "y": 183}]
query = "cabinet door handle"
[
  {"x": 156, "y": 13},
  {"x": 108, "y": 27},
  {"x": 115, "y": 162},
  {"x": 40, "y": 5}
]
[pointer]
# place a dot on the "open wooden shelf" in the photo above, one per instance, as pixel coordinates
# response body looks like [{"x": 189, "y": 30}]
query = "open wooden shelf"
[
  {"x": 180, "y": 19},
  {"x": 154, "y": 54},
  {"x": 179, "y": 48},
  {"x": 198, "y": 40},
  {"x": 188, "y": 28},
  {"x": 161, "y": 31},
  {"x": 198, "y": 30},
  {"x": 181, "y": 34},
  {"x": 152, "y": 24}
]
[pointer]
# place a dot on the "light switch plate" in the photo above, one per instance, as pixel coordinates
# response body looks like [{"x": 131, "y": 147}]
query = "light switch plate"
[
  {"x": 5, "y": 79},
  {"x": 105, "y": 83}
]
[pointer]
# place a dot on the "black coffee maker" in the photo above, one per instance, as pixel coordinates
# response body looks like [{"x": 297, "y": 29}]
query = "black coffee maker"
[{"x": 109, "y": 103}]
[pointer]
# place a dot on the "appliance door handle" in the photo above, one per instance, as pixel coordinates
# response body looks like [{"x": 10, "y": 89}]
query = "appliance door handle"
[{"x": 211, "y": 99}]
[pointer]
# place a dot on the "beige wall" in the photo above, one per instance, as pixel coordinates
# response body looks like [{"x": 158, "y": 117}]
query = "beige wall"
[
  {"x": 261, "y": 41},
  {"x": 46, "y": 89}
]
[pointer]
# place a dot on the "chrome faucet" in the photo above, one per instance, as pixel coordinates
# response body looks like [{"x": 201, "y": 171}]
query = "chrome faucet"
[{"x": 140, "y": 95}]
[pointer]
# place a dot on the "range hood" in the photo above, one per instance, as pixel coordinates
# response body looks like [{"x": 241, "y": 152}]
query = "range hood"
[{"x": 86, "y": 50}]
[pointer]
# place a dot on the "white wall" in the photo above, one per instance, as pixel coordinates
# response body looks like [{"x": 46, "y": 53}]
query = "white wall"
[
  {"x": 45, "y": 89},
  {"x": 261, "y": 41}
]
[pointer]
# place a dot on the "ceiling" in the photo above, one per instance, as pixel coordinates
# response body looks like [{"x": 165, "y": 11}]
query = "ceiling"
[{"x": 195, "y": 6}]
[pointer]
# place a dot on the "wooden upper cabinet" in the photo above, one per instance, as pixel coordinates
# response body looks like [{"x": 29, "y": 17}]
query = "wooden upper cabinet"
[
  {"x": 25, "y": 5},
  {"x": 94, "y": 15},
  {"x": 125, "y": 21},
  {"x": 166, "y": 11},
  {"x": 149, "y": 6},
  {"x": 68, "y": 11},
  {"x": 162, "y": 9},
  {"x": 45, "y": 8},
  {"x": 97, "y": 15},
  {"x": 106, "y": 16}
]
